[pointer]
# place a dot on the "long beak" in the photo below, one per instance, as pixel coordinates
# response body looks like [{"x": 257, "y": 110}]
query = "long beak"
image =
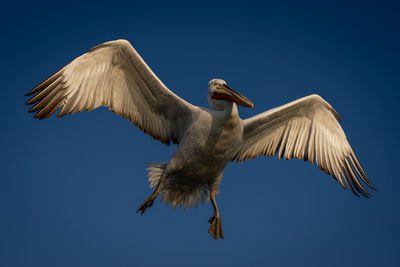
[{"x": 224, "y": 92}]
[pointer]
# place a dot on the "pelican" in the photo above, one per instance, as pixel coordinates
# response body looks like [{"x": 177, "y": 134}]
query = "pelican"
[{"x": 114, "y": 75}]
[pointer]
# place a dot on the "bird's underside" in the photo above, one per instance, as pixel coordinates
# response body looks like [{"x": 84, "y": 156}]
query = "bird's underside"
[{"x": 114, "y": 75}]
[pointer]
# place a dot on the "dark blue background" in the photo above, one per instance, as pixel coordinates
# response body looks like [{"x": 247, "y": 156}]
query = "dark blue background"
[{"x": 69, "y": 187}]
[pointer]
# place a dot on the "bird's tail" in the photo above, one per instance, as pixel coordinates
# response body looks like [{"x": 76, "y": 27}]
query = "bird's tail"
[
  {"x": 156, "y": 171},
  {"x": 174, "y": 191}
]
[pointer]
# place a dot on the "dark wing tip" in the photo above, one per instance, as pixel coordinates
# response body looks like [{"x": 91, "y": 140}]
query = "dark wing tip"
[
  {"x": 31, "y": 92},
  {"x": 336, "y": 115}
]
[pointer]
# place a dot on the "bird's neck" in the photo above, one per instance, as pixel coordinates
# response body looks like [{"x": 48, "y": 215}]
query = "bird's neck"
[{"x": 231, "y": 110}]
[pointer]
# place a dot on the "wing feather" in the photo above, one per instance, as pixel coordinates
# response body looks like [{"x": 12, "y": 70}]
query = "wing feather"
[
  {"x": 113, "y": 74},
  {"x": 308, "y": 129}
]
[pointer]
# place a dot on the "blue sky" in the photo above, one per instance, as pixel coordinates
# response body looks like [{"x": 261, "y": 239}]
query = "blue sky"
[{"x": 69, "y": 187}]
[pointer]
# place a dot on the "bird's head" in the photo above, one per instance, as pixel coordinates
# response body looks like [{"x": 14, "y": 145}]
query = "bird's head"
[{"x": 220, "y": 95}]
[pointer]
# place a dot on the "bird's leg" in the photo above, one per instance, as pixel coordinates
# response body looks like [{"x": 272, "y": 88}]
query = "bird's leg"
[
  {"x": 149, "y": 201},
  {"x": 215, "y": 228}
]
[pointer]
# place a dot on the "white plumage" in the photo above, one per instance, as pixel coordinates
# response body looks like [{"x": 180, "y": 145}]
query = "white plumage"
[
  {"x": 114, "y": 75},
  {"x": 308, "y": 129}
]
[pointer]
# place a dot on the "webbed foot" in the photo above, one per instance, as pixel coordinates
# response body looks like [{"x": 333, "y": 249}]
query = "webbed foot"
[
  {"x": 215, "y": 228},
  {"x": 146, "y": 204},
  {"x": 150, "y": 200}
]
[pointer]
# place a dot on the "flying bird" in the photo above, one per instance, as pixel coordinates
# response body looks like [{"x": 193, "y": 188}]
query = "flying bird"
[{"x": 114, "y": 75}]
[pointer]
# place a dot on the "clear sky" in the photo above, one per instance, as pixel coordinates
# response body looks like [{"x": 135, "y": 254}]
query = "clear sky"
[{"x": 69, "y": 187}]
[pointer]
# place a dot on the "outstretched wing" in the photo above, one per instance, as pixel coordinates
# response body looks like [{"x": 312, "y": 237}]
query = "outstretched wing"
[
  {"x": 113, "y": 74},
  {"x": 308, "y": 129}
]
